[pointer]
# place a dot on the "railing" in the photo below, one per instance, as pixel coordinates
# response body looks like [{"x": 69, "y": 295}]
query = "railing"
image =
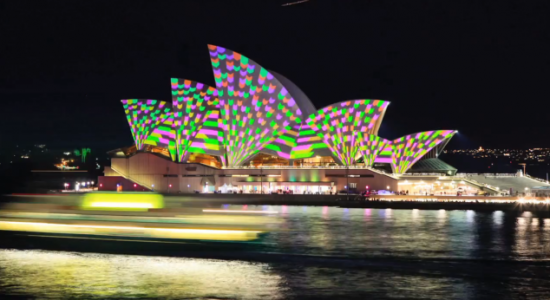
[
  {"x": 297, "y": 167},
  {"x": 424, "y": 174},
  {"x": 536, "y": 179},
  {"x": 131, "y": 179},
  {"x": 487, "y": 174},
  {"x": 312, "y": 167}
]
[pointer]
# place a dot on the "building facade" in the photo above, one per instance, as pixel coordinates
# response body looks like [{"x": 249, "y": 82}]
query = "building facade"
[{"x": 256, "y": 131}]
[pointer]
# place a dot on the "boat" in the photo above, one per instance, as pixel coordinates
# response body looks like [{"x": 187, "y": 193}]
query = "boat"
[{"x": 135, "y": 222}]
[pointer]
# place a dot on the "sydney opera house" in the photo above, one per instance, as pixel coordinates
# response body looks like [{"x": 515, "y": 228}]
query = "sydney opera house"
[{"x": 256, "y": 131}]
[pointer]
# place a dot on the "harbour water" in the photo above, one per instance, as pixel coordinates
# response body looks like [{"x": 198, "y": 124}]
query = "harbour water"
[{"x": 332, "y": 253}]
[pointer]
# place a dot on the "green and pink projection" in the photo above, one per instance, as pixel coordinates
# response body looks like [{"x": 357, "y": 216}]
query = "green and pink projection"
[
  {"x": 371, "y": 146},
  {"x": 409, "y": 149},
  {"x": 341, "y": 124},
  {"x": 195, "y": 105},
  {"x": 255, "y": 107},
  {"x": 144, "y": 115},
  {"x": 249, "y": 111}
]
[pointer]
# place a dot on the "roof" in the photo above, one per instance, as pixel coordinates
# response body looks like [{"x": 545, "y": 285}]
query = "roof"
[
  {"x": 252, "y": 110},
  {"x": 431, "y": 165},
  {"x": 299, "y": 96}
]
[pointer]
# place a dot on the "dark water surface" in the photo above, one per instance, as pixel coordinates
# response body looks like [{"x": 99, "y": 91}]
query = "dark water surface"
[{"x": 344, "y": 254}]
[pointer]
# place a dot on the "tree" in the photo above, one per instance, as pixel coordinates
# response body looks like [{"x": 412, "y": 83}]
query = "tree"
[{"x": 83, "y": 153}]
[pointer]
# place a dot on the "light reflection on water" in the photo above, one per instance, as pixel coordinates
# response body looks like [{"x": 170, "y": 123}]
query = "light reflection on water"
[
  {"x": 411, "y": 233},
  {"x": 62, "y": 275},
  {"x": 384, "y": 234},
  {"x": 55, "y": 275}
]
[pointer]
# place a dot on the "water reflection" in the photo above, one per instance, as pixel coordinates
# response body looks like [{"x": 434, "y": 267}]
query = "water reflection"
[
  {"x": 497, "y": 217},
  {"x": 52, "y": 275},
  {"x": 470, "y": 214},
  {"x": 442, "y": 215},
  {"x": 55, "y": 275},
  {"x": 328, "y": 233},
  {"x": 415, "y": 214},
  {"x": 417, "y": 233}
]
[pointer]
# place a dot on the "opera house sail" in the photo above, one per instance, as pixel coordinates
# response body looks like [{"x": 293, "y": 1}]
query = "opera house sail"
[{"x": 252, "y": 111}]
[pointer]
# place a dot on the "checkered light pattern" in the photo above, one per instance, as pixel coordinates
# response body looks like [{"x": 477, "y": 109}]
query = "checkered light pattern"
[
  {"x": 307, "y": 143},
  {"x": 250, "y": 110},
  {"x": 196, "y": 113},
  {"x": 409, "y": 149},
  {"x": 255, "y": 107},
  {"x": 143, "y": 116},
  {"x": 371, "y": 145},
  {"x": 339, "y": 124},
  {"x": 164, "y": 135},
  {"x": 283, "y": 144}
]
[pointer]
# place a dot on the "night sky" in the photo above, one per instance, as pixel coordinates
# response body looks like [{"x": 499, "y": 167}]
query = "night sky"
[{"x": 481, "y": 67}]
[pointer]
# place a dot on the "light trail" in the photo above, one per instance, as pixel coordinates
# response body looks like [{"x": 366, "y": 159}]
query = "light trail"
[
  {"x": 169, "y": 233},
  {"x": 294, "y": 3},
  {"x": 241, "y": 211}
]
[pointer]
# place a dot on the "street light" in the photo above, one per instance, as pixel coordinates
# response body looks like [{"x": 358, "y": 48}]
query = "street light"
[{"x": 524, "y": 165}]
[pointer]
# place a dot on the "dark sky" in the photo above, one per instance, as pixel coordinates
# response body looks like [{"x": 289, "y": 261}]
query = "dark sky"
[{"x": 482, "y": 67}]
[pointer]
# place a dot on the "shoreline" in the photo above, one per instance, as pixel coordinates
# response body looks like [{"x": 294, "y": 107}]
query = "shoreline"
[{"x": 382, "y": 202}]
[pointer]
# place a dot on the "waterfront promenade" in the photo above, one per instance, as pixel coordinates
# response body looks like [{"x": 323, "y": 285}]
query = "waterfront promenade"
[{"x": 356, "y": 201}]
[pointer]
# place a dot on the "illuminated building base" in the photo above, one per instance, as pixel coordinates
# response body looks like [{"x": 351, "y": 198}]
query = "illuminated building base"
[{"x": 162, "y": 175}]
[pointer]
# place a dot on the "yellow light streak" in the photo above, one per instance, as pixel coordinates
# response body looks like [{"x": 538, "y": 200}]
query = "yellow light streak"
[
  {"x": 121, "y": 205},
  {"x": 134, "y": 231},
  {"x": 241, "y": 211}
]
